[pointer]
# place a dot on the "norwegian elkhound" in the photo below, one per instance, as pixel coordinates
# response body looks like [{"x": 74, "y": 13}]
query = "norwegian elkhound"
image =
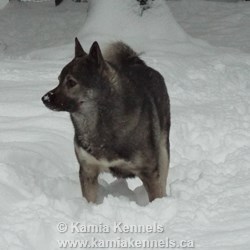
[{"x": 120, "y": 111}]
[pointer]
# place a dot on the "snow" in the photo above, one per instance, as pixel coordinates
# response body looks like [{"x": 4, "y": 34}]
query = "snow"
[
  {"x": 219, "y": 23},
  {"x": 202, "y": 49},
  {"x": 42, "y": 18},
  {"x": 129, "y": 24},
  {"x": 3, "y": 3}
]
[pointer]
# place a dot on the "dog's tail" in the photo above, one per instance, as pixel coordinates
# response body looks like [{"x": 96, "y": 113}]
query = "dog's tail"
[{"x": 120, "y": 54}]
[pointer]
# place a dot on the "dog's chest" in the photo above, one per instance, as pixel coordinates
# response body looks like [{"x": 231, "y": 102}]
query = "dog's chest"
[{"x": 85, "y": 158}]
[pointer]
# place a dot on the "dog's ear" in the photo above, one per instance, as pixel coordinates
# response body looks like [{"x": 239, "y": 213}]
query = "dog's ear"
[
  {"x": 96, "y": 55},
  {"x": 79, "y": 52}
]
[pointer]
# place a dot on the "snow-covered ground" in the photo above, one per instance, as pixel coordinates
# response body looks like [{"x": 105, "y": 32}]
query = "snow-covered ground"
[
  {"x": 206, "y": 65},
  {"x": 219, "y": 23}
]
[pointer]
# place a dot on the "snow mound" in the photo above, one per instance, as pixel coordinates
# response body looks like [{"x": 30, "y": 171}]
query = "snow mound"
[
  {"x": 153, "y": 33},
  {"x": 154, "y": 30},
  {"x": 126, "y": 24}
]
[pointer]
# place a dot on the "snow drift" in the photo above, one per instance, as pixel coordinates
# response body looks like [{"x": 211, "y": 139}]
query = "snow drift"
[
  {"x": 126, "y": 24},
  {"x": 155, "y": 28}
]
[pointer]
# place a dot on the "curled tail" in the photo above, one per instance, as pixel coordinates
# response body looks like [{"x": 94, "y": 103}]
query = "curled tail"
[{"x": 120, "y": 54}]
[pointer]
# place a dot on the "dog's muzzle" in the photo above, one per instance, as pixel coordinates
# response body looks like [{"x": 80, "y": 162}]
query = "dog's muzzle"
[
  {"x": 49, "y": 101},
  {"x": 57, "y": 102}
]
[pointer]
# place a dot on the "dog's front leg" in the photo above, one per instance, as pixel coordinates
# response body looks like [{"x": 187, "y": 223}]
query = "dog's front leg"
[{"x": 89, "y": 183}]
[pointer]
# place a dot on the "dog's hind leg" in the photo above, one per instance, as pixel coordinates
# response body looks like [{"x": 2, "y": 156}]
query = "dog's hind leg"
[
  {"x": 155, "y": 187},
  {"x": 156, "y": 181}
]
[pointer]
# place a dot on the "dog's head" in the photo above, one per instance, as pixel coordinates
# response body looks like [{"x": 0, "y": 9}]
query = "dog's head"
[{"x": 81, "y": 81}]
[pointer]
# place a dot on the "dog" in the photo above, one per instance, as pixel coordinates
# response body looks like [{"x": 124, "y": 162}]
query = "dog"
[{"x": 120, "y": 111}]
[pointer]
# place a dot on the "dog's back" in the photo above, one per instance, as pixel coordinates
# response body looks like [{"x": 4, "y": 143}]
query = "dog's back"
[{"x": 147, "y": 82}]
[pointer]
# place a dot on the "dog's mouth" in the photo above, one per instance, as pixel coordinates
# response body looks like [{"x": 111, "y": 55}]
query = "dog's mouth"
[
  {"x": 56, "y": 104},
  {"x": 54, "y": 107}
]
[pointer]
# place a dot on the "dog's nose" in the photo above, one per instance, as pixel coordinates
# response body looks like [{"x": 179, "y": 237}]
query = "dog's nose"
[{"x": 46, "y": 98}]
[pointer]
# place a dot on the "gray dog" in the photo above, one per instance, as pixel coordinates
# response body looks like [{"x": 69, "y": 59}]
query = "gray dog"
[{"x": 120, "y": 111}]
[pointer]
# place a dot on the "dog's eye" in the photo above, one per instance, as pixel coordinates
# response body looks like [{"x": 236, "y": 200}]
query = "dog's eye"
[{"x": 71, "y": 83}]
